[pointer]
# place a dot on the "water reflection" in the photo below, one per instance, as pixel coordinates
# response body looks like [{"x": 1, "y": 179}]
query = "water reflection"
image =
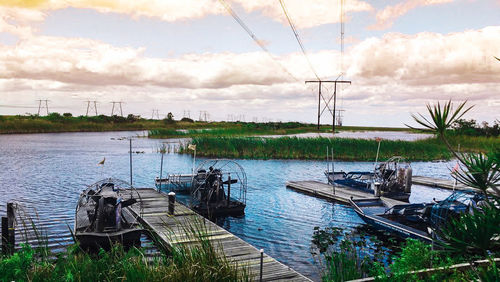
[{"x": 48, "y": 171}]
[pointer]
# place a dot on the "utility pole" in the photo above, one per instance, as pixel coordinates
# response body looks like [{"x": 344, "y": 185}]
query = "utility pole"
[
  {"x": 113, "y": 109},
  {"x": 327, "y": 103},
  {"x": 91, "y": 105},
  {"x": 40, "y": 106}
]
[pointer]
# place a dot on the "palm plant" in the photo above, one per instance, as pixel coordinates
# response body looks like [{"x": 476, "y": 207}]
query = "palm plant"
[
  {"x": 442, "y": 118},
  {"x": 482, "y": 171},
  {"x": 473, "y": 233}
]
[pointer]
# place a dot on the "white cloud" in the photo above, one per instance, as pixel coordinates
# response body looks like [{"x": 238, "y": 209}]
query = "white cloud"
[
  {"x": 387, "y": 16},
  {"x": 17, "y": 21},
  {"x": 395, "y": 71},
  {"x": 314, "y": 14},
  {"x": 305, "y": 15},
  {"x": 429, "y": 58}
]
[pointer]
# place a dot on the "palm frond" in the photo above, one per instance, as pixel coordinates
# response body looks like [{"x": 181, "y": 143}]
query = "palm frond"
[{"x": 481, "y": 172}]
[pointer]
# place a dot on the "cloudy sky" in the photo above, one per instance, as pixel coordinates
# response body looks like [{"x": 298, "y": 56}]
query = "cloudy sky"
[{"x": 191, "y": 56}]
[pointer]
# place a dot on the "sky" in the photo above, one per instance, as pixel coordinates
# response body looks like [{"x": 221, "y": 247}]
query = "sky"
[{"x": 192, "y": 56}]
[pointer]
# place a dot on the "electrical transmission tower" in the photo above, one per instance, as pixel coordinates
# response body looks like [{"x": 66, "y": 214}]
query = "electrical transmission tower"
[
  {"x": 41, "y": 106},
  {"x": 204, "y": 116},
  {"x": 156, "y": 114},
  {"x": 327, "y": 102},
  {"x": 113, "y": 109},
  {"x": 186, "y": 114},
  {"x": 91, "y": 105}
]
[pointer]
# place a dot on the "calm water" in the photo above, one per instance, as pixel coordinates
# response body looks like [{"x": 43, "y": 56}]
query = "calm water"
[{"x": 48, "y": 171}]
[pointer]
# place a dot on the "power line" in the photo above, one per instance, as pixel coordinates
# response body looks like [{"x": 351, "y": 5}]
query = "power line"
[
  {"x": 252, "y": 35},
  {"x": 342, "y": 33},
  {"x": 298, "y": 38}
]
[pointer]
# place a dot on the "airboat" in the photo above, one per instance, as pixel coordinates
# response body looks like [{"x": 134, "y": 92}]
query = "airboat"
[
  {"x": 391, "y": 179},
  {"x": 219, "y": 188},
  {"x": 103, "y": 215},
  {"x": 417, "y": 221}
]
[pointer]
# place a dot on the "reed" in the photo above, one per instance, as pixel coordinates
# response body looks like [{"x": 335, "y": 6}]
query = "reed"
[
  {"x": 344, "y": 148},
  {"x": 235, "y": 129},
  {"x": 183, "y": 263}
]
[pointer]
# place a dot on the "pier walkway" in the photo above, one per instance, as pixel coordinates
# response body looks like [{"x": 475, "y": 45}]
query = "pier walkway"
[
  {"x": 340, "y": 194},
  {"x": 438, "y": 183},
  {"x": 170, "y": 230}
]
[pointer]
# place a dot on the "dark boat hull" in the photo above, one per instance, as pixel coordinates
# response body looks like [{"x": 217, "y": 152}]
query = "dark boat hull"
[
  {"x": 385, "y": 224},
  {"x": 95, "y": 240},
  {"x": 234, "y": 209}
]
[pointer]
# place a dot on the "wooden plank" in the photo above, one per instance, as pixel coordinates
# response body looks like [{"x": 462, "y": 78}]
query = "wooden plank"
[
  {"x": 318, "y": 189},
  {"x": 170, "y": 231},
  {"x": 439, "y": 183}
]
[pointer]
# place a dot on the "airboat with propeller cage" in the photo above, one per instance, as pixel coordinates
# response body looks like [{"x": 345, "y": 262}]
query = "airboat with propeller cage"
[
  {"x": 103, "y": 215},
  {"x": 391, "y": 179},
  {"x": 219, "y": 188}
]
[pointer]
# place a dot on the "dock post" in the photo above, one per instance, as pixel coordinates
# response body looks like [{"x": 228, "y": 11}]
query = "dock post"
[
  {"x": 171, "y": 203},
  {"x": 5, "y": 235},
  {"x": 228, "y": 189},
  {"x": 10, "y": 235},
  {"x": 261, "y": 263},
  {"x": 376, "y": 189}
]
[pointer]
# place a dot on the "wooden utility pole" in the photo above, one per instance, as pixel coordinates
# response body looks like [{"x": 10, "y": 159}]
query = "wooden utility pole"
[{"x": 327, "y": 103}]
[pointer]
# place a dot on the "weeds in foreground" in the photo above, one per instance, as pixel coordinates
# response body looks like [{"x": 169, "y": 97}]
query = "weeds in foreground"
[{"x": 199, "y": 262}]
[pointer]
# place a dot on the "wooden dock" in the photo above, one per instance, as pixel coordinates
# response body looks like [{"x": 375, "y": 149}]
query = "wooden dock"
[
  {"x": 438, "y": 183},
  {"x": 170, "y": 231},
  {"x": 341, "y": 194}
]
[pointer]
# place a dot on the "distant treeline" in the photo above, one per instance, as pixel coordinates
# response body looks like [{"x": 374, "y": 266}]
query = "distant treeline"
[
  {"x": 472, "y": 128},
  {"x": 56, "y": 122}
]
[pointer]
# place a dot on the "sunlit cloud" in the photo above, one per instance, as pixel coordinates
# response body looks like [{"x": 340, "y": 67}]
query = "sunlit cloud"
[
  {"x": 305, "y": 16},
  {"x": 387, "y": 16}
]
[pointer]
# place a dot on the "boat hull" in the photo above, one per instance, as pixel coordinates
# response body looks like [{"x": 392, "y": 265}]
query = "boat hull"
[
  {"x": 385, "y": 224},
  {"x": 97, "y": 240},
  {"x": 234, "y": 209}
]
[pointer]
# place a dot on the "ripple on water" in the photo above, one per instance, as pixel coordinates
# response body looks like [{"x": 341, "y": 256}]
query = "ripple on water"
[{"x": 48, "y": 172}]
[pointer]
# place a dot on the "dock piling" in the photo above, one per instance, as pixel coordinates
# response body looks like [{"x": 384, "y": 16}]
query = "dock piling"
[
  {"x": 228, "y": 189},
  {"x": 8, "y": 231},
  {"x": 171, "y": 203},
  {"x": 5, "y": 236},
  {"x": 261, "y": 263}
]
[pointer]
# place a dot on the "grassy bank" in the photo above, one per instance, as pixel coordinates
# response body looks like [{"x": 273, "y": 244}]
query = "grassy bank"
[
  {"x": 200, "y": 262},
  {"x": 344, "y": 149},
  {"x": 166, "y": 128}
]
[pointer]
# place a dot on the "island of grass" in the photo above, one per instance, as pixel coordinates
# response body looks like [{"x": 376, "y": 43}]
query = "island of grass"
[{"x": 344, "y": 149}]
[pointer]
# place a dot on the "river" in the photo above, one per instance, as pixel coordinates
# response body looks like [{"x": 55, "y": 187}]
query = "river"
[{"x": 48, "y": 171}]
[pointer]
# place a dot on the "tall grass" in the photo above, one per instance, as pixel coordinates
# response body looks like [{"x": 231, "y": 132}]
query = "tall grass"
[
  {"x": 236, "y": 129},
  {"x": 199, "y": 262},
  {"x": 344, "y": 148},
  {"x": 314, "y": 148}
]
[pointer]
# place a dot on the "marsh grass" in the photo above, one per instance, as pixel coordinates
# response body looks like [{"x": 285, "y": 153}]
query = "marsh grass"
[
  {"x": 344, "y": 148},
  {"x": 199, "y": 262},
  {"x": 236, "y": 129}
]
